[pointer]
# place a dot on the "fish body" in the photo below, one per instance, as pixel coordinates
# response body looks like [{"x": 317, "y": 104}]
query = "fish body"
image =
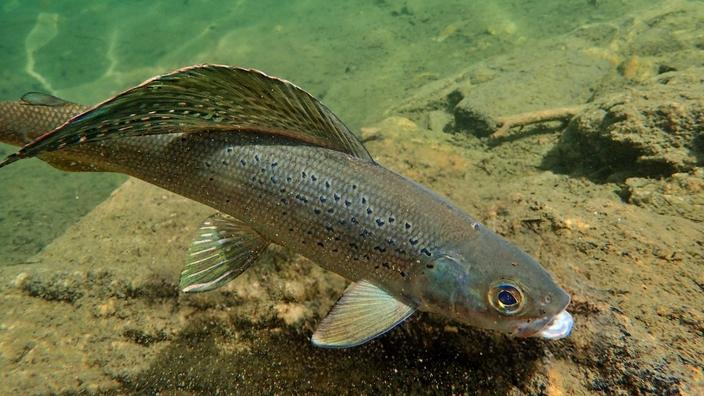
[
  {"x": 25, "y": 120},
  {"x": 319, "y": 194}
]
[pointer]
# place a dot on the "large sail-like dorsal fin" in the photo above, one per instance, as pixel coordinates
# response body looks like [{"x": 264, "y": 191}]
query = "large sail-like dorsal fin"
[{"x": 205, "y": 98}]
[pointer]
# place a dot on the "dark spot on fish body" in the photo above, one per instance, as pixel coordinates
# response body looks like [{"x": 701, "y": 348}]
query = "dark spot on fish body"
[
  {"x": 323, "y": 199},
  {"x": 364, "y": 200},
  {"x": 413, "y": 241},
  {"x": 408, "y": 226},
  {"x": 327, "y": 184},
  {"x": 256, "y": 157},
  {"x": 312, "y": 177},
  {"x": 369, "y": 211},
  {"x": 379, "y": 222},
  {"x": 380, "y": 249},
  {"x": 243, "y": 162},
  {"x": 348, "y": 203},
  {"x": 273, "y": 179},
  {"x": 274, "y": 164},
  {"x": 316, "y": 211},
  {"x": 336, "y": 196},
  {"x": 391, "y": 219},
  {"x": 426, "y": 252}
]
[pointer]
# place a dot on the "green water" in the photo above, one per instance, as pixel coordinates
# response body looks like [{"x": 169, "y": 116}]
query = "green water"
[{"x": 106, "y": 319}]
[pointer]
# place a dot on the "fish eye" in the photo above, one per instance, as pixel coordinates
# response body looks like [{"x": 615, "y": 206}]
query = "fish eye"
[{"x": 506, "y": 298}]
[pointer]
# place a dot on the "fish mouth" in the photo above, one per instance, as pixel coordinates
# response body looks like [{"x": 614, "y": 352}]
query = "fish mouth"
[
  {"x": 555, "y": 328},
  {"x": 559, "y": 327}
]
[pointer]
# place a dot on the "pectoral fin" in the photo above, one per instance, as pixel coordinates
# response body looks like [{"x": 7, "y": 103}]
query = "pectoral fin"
[
  {"x": 362, "y": 313},
  {"x": 224, "y": 247}
]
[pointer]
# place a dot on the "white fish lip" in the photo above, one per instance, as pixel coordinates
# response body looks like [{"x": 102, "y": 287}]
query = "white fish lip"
[{"x": 559, "y": 327}]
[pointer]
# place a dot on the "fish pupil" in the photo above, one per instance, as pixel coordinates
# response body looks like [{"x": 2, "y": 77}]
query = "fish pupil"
[{"x": 506, "y": 298}]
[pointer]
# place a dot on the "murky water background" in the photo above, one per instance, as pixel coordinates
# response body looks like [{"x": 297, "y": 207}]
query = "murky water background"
[{"x": 368, "y": 61}]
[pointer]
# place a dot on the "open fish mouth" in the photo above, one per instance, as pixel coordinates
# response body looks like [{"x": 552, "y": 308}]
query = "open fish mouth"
[{"x": 559, "y": 327}]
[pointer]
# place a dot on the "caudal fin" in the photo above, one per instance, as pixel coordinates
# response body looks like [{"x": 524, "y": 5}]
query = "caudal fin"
[{"x": 10, "y": 159}]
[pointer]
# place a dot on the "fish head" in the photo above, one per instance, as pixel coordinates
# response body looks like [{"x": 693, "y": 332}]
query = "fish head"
[{"x": 488, "y": 282}]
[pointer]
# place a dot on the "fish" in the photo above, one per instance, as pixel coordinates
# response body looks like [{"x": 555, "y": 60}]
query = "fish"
[
  {"x": 25, "y": 120},
  {"x": 280, "y": 168}
]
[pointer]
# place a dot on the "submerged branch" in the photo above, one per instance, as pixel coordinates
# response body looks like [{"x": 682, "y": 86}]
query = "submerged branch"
[{"x": 534, "y": 117}]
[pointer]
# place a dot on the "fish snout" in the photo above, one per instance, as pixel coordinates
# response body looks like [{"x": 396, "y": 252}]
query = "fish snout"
[{"x": 550, "y": 328}]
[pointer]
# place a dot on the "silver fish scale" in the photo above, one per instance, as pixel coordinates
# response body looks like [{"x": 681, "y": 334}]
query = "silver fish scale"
[{"x": 349, "y": 215}]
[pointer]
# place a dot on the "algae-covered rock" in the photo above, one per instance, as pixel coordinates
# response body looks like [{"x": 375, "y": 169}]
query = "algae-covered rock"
[{"x": 651, "y": 131}]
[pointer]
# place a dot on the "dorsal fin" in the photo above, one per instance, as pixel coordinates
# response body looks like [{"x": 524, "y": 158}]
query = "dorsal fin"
[{"x": 205, "y": 98}]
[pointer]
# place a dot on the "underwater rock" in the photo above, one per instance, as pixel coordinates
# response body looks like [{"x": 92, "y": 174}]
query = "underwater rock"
[
  {"x": 529, "y": 79},
  {"x": 439, "y": 121},
  {"x": 474, "y": 115},
  {"x": 650, "y": 131}
]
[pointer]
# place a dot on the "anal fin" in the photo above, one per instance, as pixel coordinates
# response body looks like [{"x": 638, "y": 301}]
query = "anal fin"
[
  {"x": 364, "y": 312},
  {"x": 224, "y": 247}
]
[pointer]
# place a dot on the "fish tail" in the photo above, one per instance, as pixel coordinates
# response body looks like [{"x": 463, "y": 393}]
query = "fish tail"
[
  {"x": 10, "y": 159},
  {"x": 23, "y": 121}
]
